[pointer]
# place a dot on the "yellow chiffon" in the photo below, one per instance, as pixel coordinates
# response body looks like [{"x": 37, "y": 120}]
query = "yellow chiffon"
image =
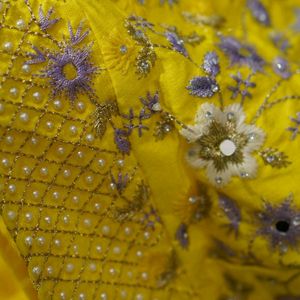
[{"x": 77, "y": 230}]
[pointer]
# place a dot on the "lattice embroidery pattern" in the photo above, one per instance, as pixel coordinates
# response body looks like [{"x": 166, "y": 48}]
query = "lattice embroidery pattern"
[{"x": 58, "y": 200}]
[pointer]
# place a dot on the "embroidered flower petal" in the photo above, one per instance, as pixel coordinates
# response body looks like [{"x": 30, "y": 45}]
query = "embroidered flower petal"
[
  {"x": 211, "y": 64},
  {"x": 259, "y": 12},
  {"x": 176, "y": 42},
  {"x": 204, "y": 87}
]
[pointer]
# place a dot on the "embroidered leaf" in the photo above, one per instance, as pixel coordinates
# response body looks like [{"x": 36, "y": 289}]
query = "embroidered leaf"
[
  {"x": 211, "y": 64},
  {"x": 182, "y": 235},
  {"x": 203, "y": 87},
  {"x": 259, "y": 12},
  {"x": 45, "y": 22},
  {"x": 103, "y": 114},
  {"x": 275, "y": 158}
]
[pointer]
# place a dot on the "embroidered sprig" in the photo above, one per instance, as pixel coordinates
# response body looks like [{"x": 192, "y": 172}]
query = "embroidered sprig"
[
  {"x": 275, "y": 158},
  {"x": 295, "y": 129}
]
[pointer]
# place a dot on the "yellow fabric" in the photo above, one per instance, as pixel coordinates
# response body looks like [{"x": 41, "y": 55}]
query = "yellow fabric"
[{"x": 138, "y": 260}]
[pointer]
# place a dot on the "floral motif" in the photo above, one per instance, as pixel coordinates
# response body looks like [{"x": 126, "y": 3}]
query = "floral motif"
[
  {"x": 280, "y": 224},
  {"x": 223, "y": 143},
  {"x": 241, "y": 54},
  {"x": 232, "y": 211},
  {"x": 69, "y": 70},
  {"x": 176, "y": 42},
  {"x": 242, "y": 86},
  {"x": 275, "y": 158},
  {"x": 45, "y": 22},
  {"x": 259, "y": 12}
]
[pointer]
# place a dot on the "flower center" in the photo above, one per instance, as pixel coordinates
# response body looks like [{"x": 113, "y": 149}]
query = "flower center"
[
  {"x": 227, "y": 147},
  {"x": 283, "y": 226},
  {"x": 69, "y": 71}
]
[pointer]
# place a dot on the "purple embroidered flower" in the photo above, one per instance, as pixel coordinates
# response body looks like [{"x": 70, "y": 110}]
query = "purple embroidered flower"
[
  {"x": 78, "y": 37},
  {"x": 211, "y": 64},
  {"x": 281, "y": 67},
  {"x": 232, "y": 212},
  {"x": 203, "y": 86},
  {"x": 71, "y": 72},
  {"x": 37, "y": 58},
  {"x": 45, "y": 22},
  {"x": 121, "y": 140},
  {"x": 151, "y": 102},
  {"x": 150, "y": 219},
  {"x": 242, "y": 87},
  {"x": 182, "y": 235},
  {"x": 295, "y": 129},
  {"x": 176, "y": 42},
  {"x": 280, "y": 224},
  {"x": 121, "y": 182},
  {"x": 241, "y": 54},
  {"x": 141, "y": 117},
  {"x": 259, "y": 12}
]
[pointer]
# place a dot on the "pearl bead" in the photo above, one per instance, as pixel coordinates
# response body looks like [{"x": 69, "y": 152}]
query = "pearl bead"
[
  {"x": 89, "y": 179},
  {"x": 75, "y": 199},
  {"x": 112, "y": 186},
  {"x": 57, "y": 104},
  {"x": 139, "y": 253},
  {"x": 9, "y": 140},
  {"x": 139, "y": 297},
  {"x": 93, "y": 267},
  {"x": 37, "y": 96},
  {"x": 28, "y": 217},
  {"x": 44, "y": 171},
  {"x": 81, "y": 296},
  {"x": 7, "y": 46},
  {"x": 146, "y": 235},
  {"x": 228, "y": 147},
  {"x": 35, "y": 194},
  {"x": 5, "y": 162},
  {"x": 80, "y": 154},
  {"x": 103, "y": 296},
  {"x": 89, "y": 138},
  {"x": 144, "y": 276},
  {"x": 69, "y": 268},
  {"x": 98, "y": 248},
  {"x": 24, "y": 117},
  {"x": 49, "y": 125},
  {"x": 11, "y": 215},
  {"x": 26, "y": 170},
  {"x": 62, "y": 296},
  {"x": 101, "y": 162},
  {"x": 2, "y": 108},
  {"x": 127, "y": 231},
  {"x": 123, "y": 294},
  {"x": 117, "y": 250},
  {"x": 112, "y": 271},
  {"x": 14, "y": 92},
  {"x": 67, "y": 173},
  {"x": 49, "y": 270},
  {"x": 87, "y": 222},
  {"x": 120, "y": 163},
  {"x": 60, "y": 151},
  {"x": 12, "y": 188},
  {"x": 55, "y": 195},
  {"x": 41, "y": 240},
  {"x": 26, "y": 68},
  {"x": 20, "y": 24},
  {"x": 97, "y": 206},
  {"x": 36, "y": 270},
  {"x": 66, "y": 219},
  {"x": 57, "y": 243},
  {"x": 47, "y": 219},
  {"x": 73, "y": 130},
  {"x": 105, "y": 229},
  {"x": 80, "y": 106},
  {"x": 34, "y": 141},
  {"x": 28, "y": 241}
]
